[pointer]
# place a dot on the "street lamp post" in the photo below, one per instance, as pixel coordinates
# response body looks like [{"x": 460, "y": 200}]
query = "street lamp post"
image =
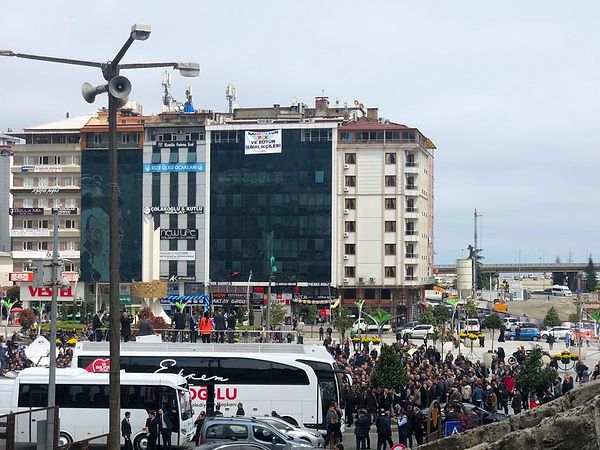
[{"x": 118, "y": 88}]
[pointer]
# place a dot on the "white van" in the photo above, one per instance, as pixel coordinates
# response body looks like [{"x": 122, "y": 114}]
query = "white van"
[
  {"x": 472, "y": 326},
  {"x": 561, "y": 291},
  {"x": 510, "y": 323}
]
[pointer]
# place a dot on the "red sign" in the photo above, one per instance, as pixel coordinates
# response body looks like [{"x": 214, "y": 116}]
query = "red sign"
[
  {"x": 99, "y": 365},
  {"x": 398, "y": 447},
  {"x": 21, "y": 276},
  {"x": 47, "y": 292}
]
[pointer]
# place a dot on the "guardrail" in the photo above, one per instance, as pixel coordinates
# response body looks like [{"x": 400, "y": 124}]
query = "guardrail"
[
  {"x": 230, "y": 336},
  {"x": 10, "y": 423}
]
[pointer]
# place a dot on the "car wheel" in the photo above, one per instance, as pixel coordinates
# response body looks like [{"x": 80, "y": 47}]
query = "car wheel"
[
  {"x": 535, "y": 338},
  {"x": 511, "y": 338},
  {"x": 140, "y": 443},
  {"x": 64, "y": 439}
]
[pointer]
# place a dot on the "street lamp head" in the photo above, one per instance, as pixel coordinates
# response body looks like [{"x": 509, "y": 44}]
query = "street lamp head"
[
  {"x": 140, "y": 32},
  {"x": 4, "y": 52},
  {"x": 188, "y": 69}
]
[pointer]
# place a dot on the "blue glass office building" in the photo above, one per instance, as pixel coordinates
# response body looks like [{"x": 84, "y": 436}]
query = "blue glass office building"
[{"x": 288, "y": 193}]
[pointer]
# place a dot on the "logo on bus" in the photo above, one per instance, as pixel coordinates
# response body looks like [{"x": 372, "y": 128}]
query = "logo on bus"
[
  {"x": 221, "y": 393},
  {"x": 99, "y": 365}
]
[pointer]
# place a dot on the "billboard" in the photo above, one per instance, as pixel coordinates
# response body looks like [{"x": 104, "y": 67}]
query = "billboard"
[
  {"x": 174, "y": 167},
  {"x": 173, "y": 209},
  {"x": 26, "y": 211},
  {"x": 187, "y": 234},
  {"x": 262, "y": 142}
]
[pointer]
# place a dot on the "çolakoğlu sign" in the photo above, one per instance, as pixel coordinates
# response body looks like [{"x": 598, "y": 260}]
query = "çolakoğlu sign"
[{"x": 262, "y": 142}]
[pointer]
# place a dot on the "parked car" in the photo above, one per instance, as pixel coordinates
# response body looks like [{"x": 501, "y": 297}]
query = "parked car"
[
  {"x": 232, "y": 446},
  {"x": 363, "y": 326},
  {"x": 485, "y": 416},
  {"x": 407, "y": 325},
  {"x": 245, "y": 429},
  {"x": 472, "y": 326},
  {"x": 526, "y": 334},
  {"x": 510, "y": 322},
  {"x": 296, "y": 432},
  {"x": 420, "y": 332},
  {"x": 557, "y": 332}
]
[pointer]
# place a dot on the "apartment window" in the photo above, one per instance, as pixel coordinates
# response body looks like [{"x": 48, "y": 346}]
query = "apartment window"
[
  {"x": 350, "y": 158},
  {"x": 350, "y": 226},
  {"x": 70, "y": 203},
  {"x": 44, "y": 160},
  {"x": 28, "y": 224},
  {"x": 43, "y": 245},
  {"x": 392, "y": 136},
  {"x": 70, "y": 181},
  {"x": 70, "y": 224},
  {"x": 42, "y": 202},
  {"x": 350, "y": 271},
  {"x": 390, "y": 180},
  {"x": 56, "y": 203},
  {"x": 56, "y": 159},
  {"x": 68, "y": 159},
  {"x": 27, "y": 245},
  {"x": 390, "y": 158},
  {"x": 43, "y": 224},
  {"x": 56, "y": 181},
  {"x": 350, "y": 203},
  {"x": 69, "y": 245},
  {"x": 390, "y": 249},
  {"x": 43, "y": 181},
  {"x": 350, "y": 181},
  {"x": 68, "y": 266},
  {"x": 390, "y": 271},
  {"x": 27, "y": 203},
  {"x": 390, "y": 226},
  {"x": 345, "y": 136},
  {"x": 390, "y": 203},
  {"x": 28, "y": 160},
  {"x": 350, "y": 249},
  {"x": 27, "y": 182}
]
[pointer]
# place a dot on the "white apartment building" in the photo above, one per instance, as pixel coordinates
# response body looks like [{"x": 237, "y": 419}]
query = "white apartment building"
[
  {"x": 385, "y": 210},
  {"x": 6, "y": 152},
  {"x": 46, "y": 174}
]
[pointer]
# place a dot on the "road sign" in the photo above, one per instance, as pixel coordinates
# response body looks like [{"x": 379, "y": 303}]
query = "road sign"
[
  {"x": 452, "y": 427},
  {"x": 398, "y": 447}
]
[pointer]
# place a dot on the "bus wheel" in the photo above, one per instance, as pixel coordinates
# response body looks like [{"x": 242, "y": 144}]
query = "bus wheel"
[
  {"x": 140, "y": 443},
  {"x": 290, "y": 420},
  {"x": 64, "y": 439}
]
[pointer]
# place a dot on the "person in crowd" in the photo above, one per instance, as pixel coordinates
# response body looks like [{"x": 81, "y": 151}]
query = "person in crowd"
[
  {"x": 126, "y": 322},
  {"x": 219, "y": 325},
  {"x": 231, "y": 324},
  {"x": 361, "y": 430},
  {"x": 151, "y": 430},
  {"x": 165, "y": 427},
  {"x": 179, "y": 325},
  {"x": 97, "y": 325},
  {"x": 126, "y": 431},
  {"x": 145, "y": 328},
  {"x": 198, "y": 423},
  {"x": 205, "y": 327},
  {"x": 240, "y": 410},
  {"x": 384, "y": 430}
]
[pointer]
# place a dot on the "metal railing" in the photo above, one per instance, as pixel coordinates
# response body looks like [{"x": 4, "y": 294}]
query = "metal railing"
[
  {"x": 411, "y": 187},
  {"x": 9, "y": 424},
  {"x": 225, "y": 336}
]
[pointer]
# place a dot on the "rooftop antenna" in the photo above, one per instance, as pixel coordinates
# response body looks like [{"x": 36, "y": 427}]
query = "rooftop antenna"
[
  {"x": 230, "y": 96},
  {"x": 188, "y": 106},
  {"x": 167, "y": 97}
]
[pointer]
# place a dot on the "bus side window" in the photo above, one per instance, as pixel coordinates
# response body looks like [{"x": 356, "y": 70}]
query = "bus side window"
[{"x": 33, "y": 395}]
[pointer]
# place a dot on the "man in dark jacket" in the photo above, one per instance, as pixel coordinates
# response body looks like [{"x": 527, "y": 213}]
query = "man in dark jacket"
[
  {"x": 166, "y": 429},
  {"x": 361, "y": 430},
  {"x": 384, "y": 430},
  {"x": 179, "y": 325},
  {"x": 231, "y": 324},
  {"x": 220, "y": 326},
  {"x": 151, "y": 430},
  {"x": 126, "y": 326},
  {"x": 97, "y": 326},
  {"x": 145, "y": 328},
  {"x": 126, "y": 431}
]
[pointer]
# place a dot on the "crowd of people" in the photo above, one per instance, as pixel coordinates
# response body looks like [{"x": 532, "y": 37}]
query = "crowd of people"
[{"x": 468, "y": 391}]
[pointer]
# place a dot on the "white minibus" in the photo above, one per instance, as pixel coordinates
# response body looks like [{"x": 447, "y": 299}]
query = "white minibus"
[
  {"x": 82, "y": 398},
  {"x": 561, "y": 291}
]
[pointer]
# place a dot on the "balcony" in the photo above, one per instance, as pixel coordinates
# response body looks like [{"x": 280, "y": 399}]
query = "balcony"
[
  {"x": 410, "y": 278},
  {"x": 411, "y": 189},
  {"x": 411, "y": 235},
  {"x": 411, "y": 167},
  {"x": 411, "y": 256},
  {"x": 411, "y": 212}
]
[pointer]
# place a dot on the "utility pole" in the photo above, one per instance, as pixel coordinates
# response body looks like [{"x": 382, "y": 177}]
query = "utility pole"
[
  {"x": 250, "y": 311},
  {"x": 272, "y": 272},
  {"x": 473, "y": 261}
]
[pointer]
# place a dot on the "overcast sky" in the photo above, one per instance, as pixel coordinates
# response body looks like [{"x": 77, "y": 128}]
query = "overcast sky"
[{"x": 508, "y": 91}]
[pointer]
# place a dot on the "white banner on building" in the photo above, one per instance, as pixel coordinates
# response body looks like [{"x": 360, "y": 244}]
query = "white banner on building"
[
  {"x": 262, "y": 142},
  {"x": 30, "y": 232},
  {"x": 177, "y": 255}
]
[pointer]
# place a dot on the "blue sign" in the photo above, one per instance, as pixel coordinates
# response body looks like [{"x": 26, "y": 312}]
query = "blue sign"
[
  {"x": 452, "y": 427},
  {"x": 174, "y": 167}
]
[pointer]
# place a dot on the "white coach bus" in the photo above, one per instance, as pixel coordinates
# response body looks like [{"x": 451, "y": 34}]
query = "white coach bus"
[
  {"x": 299, "y": 382},
  {"x": 82, "y": 398}
]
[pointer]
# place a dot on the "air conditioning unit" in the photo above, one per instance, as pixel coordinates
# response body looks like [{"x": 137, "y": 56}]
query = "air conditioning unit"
[
  {"x": 346, "y": 257},
  {"x": 346, "y": 189},
  {"x": 346, "y": 234},
  {"x": 346, "y": 166},
  {"x": 346, "y": 212},
  {"x": 346, "y": 280}
]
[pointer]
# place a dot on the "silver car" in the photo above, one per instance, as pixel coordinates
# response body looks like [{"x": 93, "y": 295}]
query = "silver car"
[{"x": 298, "y": 433}]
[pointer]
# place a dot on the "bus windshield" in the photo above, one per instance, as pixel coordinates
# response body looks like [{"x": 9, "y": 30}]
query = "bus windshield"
[{"x": 185, "y": 403}]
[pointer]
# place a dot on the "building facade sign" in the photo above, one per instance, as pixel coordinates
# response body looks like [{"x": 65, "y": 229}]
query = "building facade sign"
[
  {"x": 174, "y": 167},
  {"x": 229, "y": 298},
  {"x": 30, "y": 293},
  {"x": 45, "y": 191},
  {"x": 178, "y": 278},
  {"x": 179, "y": 234},
  {"x": 65, "y": 211},
  {"x": 177, "y": 255},
  {"x": 42, "y": 254},
  {"x": 190, "y": 145},
  {"x": 42, "y": 169},
  {"x": 30, "y": 232},
  {"x": 262, "y": 142},
  {"x": 26, "y": 211},
  {"x": 174, "y": 210}
]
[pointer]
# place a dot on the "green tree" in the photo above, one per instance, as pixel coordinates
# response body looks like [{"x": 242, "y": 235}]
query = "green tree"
[
  {"x": 492, "y": 322},
  {"x": 427, "y": 317},
  {"x": 389, "y": 370},
  {"x": 277, "y": 313},
  {"x": 471, "y": 308},
  {"x": 591, "y": 282},
  {"x": 477, "y": 258},
  {"x": 534, "y": 375},
  {"x": 552, "y": 319},
  {"x": 311, "y": 314},
  {"x": 342, "y": 320},
  {"x": 573, "y": 317}
]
